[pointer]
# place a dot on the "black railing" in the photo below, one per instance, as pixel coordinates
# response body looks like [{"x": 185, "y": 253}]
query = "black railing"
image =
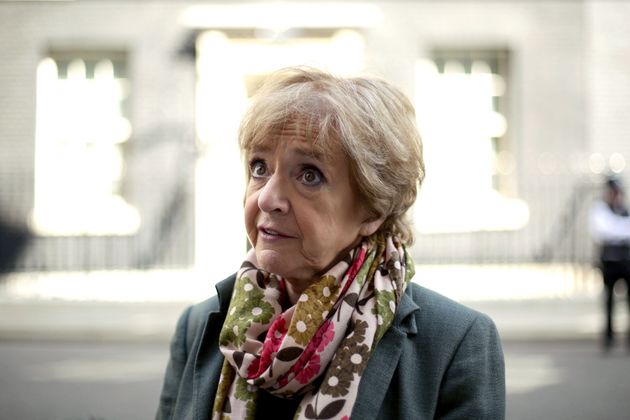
[{"x": 568, "y": 239}]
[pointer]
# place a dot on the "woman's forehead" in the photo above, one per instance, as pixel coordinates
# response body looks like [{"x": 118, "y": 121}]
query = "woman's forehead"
[{"x": 304, "y": 135}]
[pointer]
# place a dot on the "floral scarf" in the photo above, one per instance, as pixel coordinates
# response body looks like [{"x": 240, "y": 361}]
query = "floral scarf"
[{"x": 317, "y": 349}]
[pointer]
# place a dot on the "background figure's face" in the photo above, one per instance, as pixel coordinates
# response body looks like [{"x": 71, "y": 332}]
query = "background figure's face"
[
  {"x": 302, "y": 212},
  {"x": 614, "y": 197}
]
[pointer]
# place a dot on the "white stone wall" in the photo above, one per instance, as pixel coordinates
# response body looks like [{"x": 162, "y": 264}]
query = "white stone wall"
[{"x": 608, "y": 66}]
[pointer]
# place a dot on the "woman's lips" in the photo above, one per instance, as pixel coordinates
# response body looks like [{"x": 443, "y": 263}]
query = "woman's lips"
[{"x": 271, "y": 234}]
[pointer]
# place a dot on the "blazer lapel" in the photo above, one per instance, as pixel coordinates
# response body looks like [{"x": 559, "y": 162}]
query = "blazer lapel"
[
  {"x": 382, "y": 364},
  {"x": 209, "y": 359}
]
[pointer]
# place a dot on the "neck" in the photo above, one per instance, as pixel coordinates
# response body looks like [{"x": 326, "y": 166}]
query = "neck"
[{"x": 295, "y": 288}]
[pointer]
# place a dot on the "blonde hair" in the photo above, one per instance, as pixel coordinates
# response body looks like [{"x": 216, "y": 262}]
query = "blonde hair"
[{"x": 371, "y": 120}]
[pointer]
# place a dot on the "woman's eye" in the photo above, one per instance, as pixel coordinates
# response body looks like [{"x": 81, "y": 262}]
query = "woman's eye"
[
  {"x": 258, "y": 168},
  {"x": 312, "y": 177}
]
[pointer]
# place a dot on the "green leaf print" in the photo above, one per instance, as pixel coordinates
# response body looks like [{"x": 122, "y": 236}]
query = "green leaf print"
[
  {"x": 247, "y": 306},
  {"x": 242, "y": 391},
  {"x": 383, "y": 312}
]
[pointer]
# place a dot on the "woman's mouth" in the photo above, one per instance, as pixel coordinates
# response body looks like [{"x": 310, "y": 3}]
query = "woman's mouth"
[{"x": 269, "y": 233}]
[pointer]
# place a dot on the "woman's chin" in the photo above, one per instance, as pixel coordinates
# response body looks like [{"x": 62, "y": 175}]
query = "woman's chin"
[
  {"x": 271, "y": 261},
  {"x": 287, "y": 267}
]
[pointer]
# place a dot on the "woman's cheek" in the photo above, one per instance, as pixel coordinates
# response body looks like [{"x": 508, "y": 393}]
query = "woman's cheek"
[{"x": 250, "y": 219}]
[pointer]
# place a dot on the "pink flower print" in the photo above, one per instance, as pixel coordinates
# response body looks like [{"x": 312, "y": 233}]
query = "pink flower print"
[
  {"x": 253, "y": 370},
  {"x": 322, "y": 337},
  {"x": 309, "y": 371},
  {"x": 272, "y": 343},
  {"x": 265, "y": 361},
  {"x": 276, "y": 334},
  {"x": 328, "y": 333},
  {"x": 356, "y": 265}
]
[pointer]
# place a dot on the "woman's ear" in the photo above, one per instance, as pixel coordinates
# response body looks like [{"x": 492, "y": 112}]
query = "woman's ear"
[{"x": 371, "y": 225}]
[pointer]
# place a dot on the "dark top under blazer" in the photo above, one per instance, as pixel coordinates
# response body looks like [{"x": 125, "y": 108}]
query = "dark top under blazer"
[{"x": 438, "y": 360}]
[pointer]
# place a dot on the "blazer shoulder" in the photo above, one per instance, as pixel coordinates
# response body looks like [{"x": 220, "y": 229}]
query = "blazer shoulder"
[{"x": 444, "y": 313}]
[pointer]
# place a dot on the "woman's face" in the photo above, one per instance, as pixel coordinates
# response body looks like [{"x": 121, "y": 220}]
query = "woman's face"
[{"x": 302, "y": 212}]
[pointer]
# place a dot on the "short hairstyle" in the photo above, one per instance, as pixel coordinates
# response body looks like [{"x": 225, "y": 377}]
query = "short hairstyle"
[{"x": 372, "y": 121}]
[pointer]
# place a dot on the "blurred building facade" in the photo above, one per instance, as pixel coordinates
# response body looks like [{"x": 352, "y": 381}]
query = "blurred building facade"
[{"x": 118, "y": 121}]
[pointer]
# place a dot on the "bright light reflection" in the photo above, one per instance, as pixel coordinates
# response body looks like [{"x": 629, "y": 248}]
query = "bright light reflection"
[
  {"x": 504, "y": 163},
  {"x": 469, "y": 282},
  {"x": 78, "y": 160},
  {"x": 617, "y": 162},
  {"x": 457, "y": 121},
  {"x": 596, "y": 163}
]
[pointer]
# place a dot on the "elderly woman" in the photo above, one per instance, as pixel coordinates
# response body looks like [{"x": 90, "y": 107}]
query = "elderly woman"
[{"x": 321, "y": 320}]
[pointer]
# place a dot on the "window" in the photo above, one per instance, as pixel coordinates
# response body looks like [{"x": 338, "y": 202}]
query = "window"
[
  {"x": 462, "y": 106},
  {"x": 81, "y": 126}
]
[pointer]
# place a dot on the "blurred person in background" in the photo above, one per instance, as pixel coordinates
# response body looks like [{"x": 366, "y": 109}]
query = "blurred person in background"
[
  {"x": 13, "y": 241},
  {"x": 610, "y": 228},
  {"x": 322, "y": 320}
]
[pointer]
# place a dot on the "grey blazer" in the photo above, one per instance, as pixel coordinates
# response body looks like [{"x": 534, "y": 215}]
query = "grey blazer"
[{"x": 438, "y": 360}]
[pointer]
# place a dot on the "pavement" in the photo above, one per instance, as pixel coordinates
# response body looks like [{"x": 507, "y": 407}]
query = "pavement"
[
  {"x": 58, "y": 320},
  {"x": 53, "y": 320},
  {"x": 94, "y": 345},
  {"x": 28, "y": 312}
]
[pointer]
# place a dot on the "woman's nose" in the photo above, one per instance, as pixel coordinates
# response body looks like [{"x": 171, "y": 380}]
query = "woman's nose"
[{"x": 273, "y": 196}]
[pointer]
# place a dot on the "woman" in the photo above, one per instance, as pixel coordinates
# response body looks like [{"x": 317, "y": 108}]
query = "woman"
[{"x": 321, "y": 321}]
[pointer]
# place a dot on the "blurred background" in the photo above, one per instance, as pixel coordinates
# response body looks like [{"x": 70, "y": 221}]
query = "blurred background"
[{"x": 121, "y": 183}]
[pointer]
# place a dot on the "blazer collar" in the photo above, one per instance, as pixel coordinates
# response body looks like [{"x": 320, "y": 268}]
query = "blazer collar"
[
  {"x": 224, "y": 292},
  {"x": 407, "y": 305},
  {"x": 384, "y": 360}
]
